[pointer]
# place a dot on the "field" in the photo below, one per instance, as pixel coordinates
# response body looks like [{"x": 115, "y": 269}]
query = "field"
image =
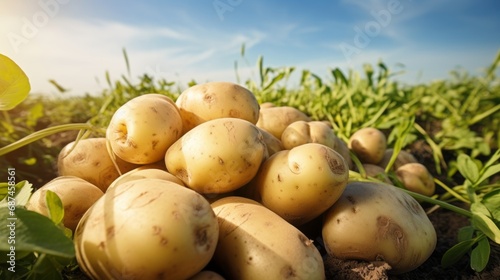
[{"x": 451, "y": 126}]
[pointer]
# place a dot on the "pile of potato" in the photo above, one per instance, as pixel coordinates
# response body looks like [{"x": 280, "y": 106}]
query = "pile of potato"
[{"x": 216, "y": 181}]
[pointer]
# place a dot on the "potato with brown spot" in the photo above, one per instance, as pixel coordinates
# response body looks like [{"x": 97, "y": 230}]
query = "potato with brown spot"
[
  {"x": 213, "y": 100},
  {"x": 76, "y": 194},
  {"x": 142, "y": 129},
  {"x": 90, "y": 160},
  {"x": 146, "y": 229},
  {"x": 217, "y": 156},
  {"x": 368, "y": 144},
  {"x": 256, "y": 243},
  {"x": 301, "y": 183},
  {"x": 379, "y": 222}
]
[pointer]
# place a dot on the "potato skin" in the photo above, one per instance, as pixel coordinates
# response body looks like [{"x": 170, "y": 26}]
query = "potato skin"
[
  {"x": 402, "y": 158},
  {"x": 146, "y": 229},
  {"x": 392, "y": 227},
  {"x": 302, "y": 132},
  {"x": 76, "y": 194},
  {"x": 301, "y": 183},
  {"x": 368, "y": 144},
  {"x": 256, "y": 243},
  {"x": 276, "y": 119},
  {"x": 90, "y": 160},
  {"x": 145, "y": 173},
  {"x": 142, "y": 129},
  {"x": 416, "y": 178},
  {"x": 217, "y": 156},
  {"x": 213, "y": 100}
]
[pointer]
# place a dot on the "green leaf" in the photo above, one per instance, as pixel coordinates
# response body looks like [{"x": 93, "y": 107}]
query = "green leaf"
[
  {"x": 455, "y": 253},
  {"x": 22, "y": 194},
  {"x": 35, "y": 233},
  {"x": 465, "y": 233},
  {"x": 54, "y": 206},
  {"x": 468, "y": 168},
  {"x": 490, "y": 171},
  {"x": 480, "y": 255},
  {"x": 14, "y": 84},
  {"x": 487, "y": 226},
  {"x": 492, "y": 201}
]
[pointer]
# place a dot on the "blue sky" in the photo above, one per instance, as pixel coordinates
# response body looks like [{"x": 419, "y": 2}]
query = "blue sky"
[{"x": 75, "y": 41}]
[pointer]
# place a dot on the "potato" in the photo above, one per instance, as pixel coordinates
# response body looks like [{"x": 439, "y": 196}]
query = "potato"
[
  {"x": 76, "y": 194},
  {"x": 402, "y": 158},
  {"x": 207, "y": 275},
  {"x": 146, "y": 229},
  {"x": 379, "y": 222},
  {"x": 416, "y": 178},
  {"x": 213, "y": 100},
  {"x": 145, "y": 173},
  {"x": 368, "y": 144},
  {"x": 342, "y": 148},
  {"x": 375, "y": 171},
  {"x": 267, "y": 105},
  {"x": 256, "y": 243},
  {"x": 301, "y": 183},
  {"x": 142, "y": 129},
  {"x": 302, "y": 132},
  {"x": 217, "y": 156},
  {"x": 273, "y": 144},
  {"x": 276, "y": 119},
  {"x": 89, "y": 159}
]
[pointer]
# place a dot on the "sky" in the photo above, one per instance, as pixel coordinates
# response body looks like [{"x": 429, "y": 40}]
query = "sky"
[{"x": 75, "y": 42}]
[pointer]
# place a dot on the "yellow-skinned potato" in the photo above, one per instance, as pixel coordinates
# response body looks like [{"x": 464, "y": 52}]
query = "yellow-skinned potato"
[
  {"x": 76, "y": 194},
  {"x": 256, "y": 243},
  {"x": 342, "y": 148},
  {"x": 146, "y": 229},
  {"x": 379, "y": 222},
  {"x": 142, "y": 129},
  {"x": 402, "y": 158},
  {"x": 368, "y": 144},
  {"x": 302, "y": 132},
  {"x": 213, "y": 100},
  {"x": 416, "y": 178},
  {"x": 217, "y": 156},
  {"x": 276, "y": 119},
  {"x": 375, "y": 171},
  {"x": 207, "y": 275},
  {"x": 301, "y": 183},
  {"x": 90, "y": 160},
  {"x": 145, "y": 173},
  {"x": 273, "y": 144}
]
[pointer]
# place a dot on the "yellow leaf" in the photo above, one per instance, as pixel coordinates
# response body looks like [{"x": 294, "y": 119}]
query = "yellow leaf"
[{"x": 14, "y": 84}]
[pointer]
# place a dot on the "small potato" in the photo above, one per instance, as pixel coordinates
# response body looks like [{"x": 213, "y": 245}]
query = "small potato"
[
  {"x": 89, "y": 159},
  {"x": 76, "y": 194},
  {"x": 273, "y": 144},
  {"x": 402, "y": 158},
  {"x": 217, "y": 156},
  {"x": 207, "y": 275},
  {"x": 256, "y": 243},
  {"x": 213, "y": 100},
  {"x": 302, "y": 132},
  {"x": 368, "y": 144},
  {"x": 142, "y": 129},
  {"x": 416, "y": 178},
  {"x": 301, "y": 183},
  {"x": 267, "y": 105},
  {"x": 145, "y": 173},
  {"x": 342, "y": 148},
  {"x": 276, "y": 119},
  {"x": 379, "y": 222},
  {"x": 377, "y": 172},
  {"x": 146, "y": 229}
]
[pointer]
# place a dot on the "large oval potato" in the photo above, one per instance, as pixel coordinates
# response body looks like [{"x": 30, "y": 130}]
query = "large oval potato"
[
  {"x": 213, "y": 100},
  {"x": 89, "y": 159},
  {"x": 76, "y": 194},
  {"x": 217, "y": 156},
  {"x": 301, "y": 183},
  {"x": 146, "y": 229},
  {"x": 256, "y": 243},
  {"x": 142, "y": 129},
  {"x": 302, "y": 132},
  {"x": 379, "y": 222},
  {"x": 276, "y": 119}
]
